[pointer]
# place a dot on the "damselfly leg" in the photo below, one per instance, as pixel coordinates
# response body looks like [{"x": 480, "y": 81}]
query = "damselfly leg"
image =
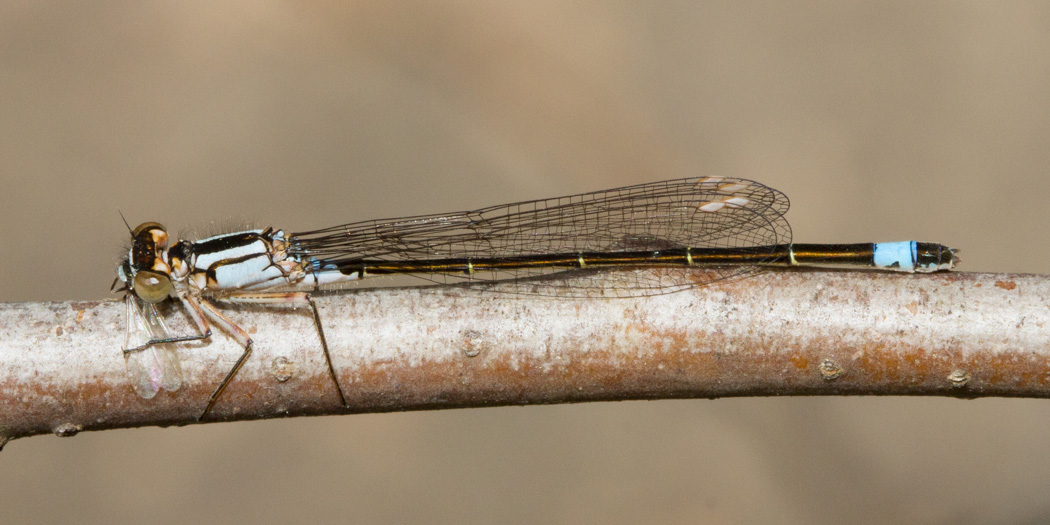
[{"x": 245, "y": 340}]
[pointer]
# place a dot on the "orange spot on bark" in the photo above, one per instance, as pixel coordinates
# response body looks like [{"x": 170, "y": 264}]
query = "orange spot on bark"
[{"x": 800, "y": 361}]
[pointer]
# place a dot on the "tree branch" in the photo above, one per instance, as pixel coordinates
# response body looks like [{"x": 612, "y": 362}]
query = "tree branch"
[{"x": 774, "y": 333}]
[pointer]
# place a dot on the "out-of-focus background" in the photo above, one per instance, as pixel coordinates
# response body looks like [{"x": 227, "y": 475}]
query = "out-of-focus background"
[{"x": 882, "y": 121}]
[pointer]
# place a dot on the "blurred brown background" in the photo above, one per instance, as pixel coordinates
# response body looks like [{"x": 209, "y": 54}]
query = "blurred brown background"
[{"x": 882, "y": 121}]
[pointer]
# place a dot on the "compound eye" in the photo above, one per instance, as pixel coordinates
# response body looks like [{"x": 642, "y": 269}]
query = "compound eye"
[
  {"x": 147, "y": 226},
  {"x": 152, "y": 287}
]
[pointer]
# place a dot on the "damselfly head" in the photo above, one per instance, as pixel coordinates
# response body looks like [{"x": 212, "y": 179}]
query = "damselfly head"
[{"x": 145, "y": 272}]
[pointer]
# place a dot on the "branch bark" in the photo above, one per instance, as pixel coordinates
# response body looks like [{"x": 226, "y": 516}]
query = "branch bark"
[{"x": 792, "y": 332}]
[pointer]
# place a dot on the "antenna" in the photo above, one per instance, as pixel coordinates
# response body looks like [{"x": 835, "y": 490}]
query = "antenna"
[{"x": 126, "y": 223}]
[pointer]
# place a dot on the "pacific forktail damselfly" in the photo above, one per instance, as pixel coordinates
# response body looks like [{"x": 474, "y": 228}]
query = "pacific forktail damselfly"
[{"x": 732, "y": 226}]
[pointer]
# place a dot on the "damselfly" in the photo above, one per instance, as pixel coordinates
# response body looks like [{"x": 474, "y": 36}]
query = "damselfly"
[{"x": 730, "y": 226}]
